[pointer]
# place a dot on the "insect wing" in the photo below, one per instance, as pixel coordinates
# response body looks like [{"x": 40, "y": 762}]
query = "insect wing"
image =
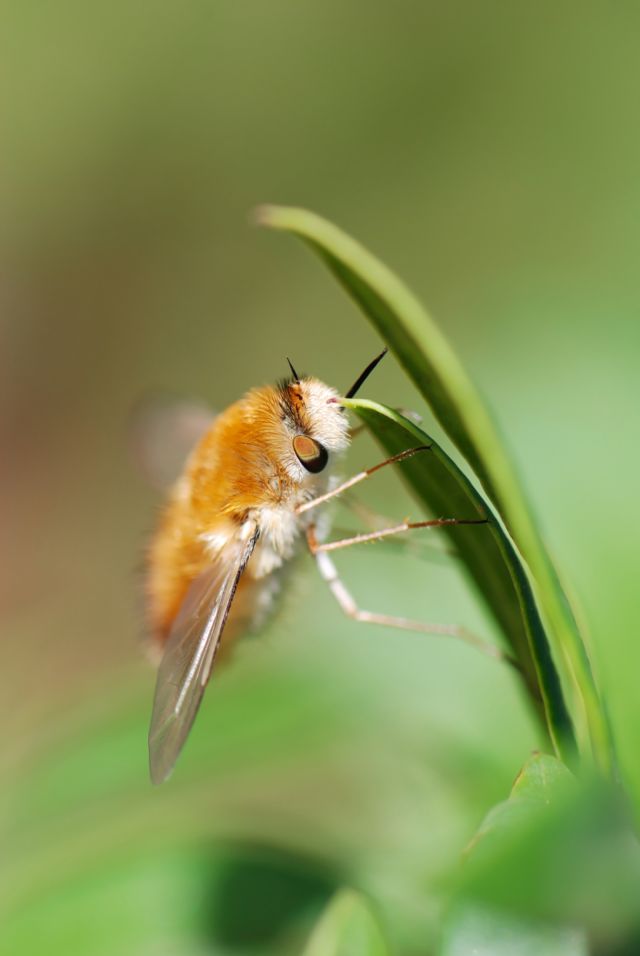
[
  {"x": 188, "y": 656},
  {"x": 163, "y": 431}
]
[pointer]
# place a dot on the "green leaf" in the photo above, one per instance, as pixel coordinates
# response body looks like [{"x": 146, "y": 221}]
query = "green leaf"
[
  {"x": 477, "y": 925},
  {"x": 347, "y": 928},
  {"x": 542, "y": 780},
  {"x": 438, "y": 374},
  {"x": 487, "y": 553},
  {"x": 557, "y": 852}
]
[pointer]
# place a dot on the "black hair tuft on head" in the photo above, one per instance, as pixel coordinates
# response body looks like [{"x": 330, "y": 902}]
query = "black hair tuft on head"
[{"x": 296, "y": 377}]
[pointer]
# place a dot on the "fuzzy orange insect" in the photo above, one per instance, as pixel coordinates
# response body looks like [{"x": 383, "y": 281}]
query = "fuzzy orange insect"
[{"x": 232, "y": 522}]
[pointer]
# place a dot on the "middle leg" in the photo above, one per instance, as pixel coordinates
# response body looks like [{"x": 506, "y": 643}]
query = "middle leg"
[{"x": 348, "y": 605}]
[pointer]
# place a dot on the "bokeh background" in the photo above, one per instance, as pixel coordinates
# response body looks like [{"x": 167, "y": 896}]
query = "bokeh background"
[{"x": 490, "y": 154}]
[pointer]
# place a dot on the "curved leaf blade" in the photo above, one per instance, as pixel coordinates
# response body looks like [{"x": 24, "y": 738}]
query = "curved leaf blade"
[
  {"x": 487, "y": 554},
  {"x": 438, "y": 374}
]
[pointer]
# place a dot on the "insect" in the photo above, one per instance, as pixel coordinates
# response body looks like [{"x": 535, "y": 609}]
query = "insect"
[{"x": 247, "y": 496}]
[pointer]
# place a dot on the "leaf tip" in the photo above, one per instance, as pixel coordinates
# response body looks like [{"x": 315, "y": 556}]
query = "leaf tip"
[
  {"x": 266, "y": 214},
  {"x": 260, "y": 215}
]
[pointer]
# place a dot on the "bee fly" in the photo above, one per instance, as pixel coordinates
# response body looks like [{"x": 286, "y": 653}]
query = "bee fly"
[{"x": 246, "y": 496}]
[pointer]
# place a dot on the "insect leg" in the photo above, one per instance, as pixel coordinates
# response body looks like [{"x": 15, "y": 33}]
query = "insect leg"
[
  {"x": 374, "y": 521},
  {"x": 348, "y": 605},
  {"x": 395, "y": 529},
  {"x": 361, "y": 476}
]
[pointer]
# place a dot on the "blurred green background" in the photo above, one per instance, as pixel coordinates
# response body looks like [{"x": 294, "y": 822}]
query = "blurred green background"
[{"x": 490, "y": 154}]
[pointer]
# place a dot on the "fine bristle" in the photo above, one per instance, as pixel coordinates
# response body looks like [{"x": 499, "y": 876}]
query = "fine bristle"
[{"x": 296, "y": 377}]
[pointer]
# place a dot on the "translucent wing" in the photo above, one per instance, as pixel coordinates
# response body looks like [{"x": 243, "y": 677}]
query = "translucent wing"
[
  {"x": 163, "y": 430},
  {"x": 189, "y": 653}
]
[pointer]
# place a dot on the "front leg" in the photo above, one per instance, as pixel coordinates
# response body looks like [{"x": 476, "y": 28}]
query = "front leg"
[{"x": 361, "y": 476}]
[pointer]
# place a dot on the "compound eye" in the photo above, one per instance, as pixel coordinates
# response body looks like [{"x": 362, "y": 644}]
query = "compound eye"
[{"x": 310, "y": 453}]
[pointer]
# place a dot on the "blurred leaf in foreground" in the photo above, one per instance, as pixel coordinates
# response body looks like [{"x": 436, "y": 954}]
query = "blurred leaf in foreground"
[
  {"x": 560, "y": 852},
  {"x": 347, "y": 928}
]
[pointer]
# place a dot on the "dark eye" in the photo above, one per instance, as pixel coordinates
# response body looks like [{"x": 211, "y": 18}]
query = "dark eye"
[{"x": 310, "y": 453}]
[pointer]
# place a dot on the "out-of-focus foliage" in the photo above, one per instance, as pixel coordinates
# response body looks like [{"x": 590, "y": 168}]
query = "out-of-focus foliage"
[
  {"x": 560, "y": 851},
  {"x": 491, "y": 156},
  {"x": 483, "y": 932},
  {"x": 347, "y": 929}
]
